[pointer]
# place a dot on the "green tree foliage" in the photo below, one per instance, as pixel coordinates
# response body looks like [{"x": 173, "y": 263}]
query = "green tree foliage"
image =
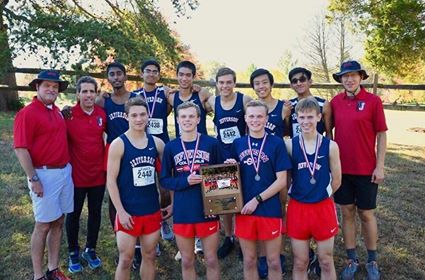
[
  {"x": 395, "y": 31},
  {"x": 58, "y": 31}
]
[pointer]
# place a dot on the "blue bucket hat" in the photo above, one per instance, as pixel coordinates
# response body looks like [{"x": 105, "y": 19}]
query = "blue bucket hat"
[
  {"x": 49, "y": 75},
  {"x": 350, "y": 66}
]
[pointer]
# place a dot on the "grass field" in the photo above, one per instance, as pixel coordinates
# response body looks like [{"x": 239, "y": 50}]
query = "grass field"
[{"x": 400, "y": 215}]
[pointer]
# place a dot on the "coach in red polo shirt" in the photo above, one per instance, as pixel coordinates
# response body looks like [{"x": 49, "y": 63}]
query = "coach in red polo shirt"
[
  {"x": 360, "y": 126},
  {"x": 41, "y": 146},
  {"x": 86, "y": 147}
]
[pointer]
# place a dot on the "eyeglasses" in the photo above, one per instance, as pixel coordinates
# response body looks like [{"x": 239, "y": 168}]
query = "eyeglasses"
[
  {"x": 149, "y": 71},
  {"x": 301, "y": 80}
]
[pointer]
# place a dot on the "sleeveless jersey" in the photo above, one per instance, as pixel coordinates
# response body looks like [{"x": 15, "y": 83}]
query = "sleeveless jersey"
[
  {"x": 276, "y": 125},
  {"x": 116, "y": 123},
  {"x": 202, "y": 126},
  {"x": 158, "y": 124},
  {"x": 136, "y": 179},
  {"x": 295, "y": 129},
  {"x": 302, "y": 189},
  {"x": 230, "y": 124}
]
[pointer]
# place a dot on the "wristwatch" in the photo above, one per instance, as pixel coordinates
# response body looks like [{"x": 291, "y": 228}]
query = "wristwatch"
[
  {"x": 259, "y": 198},
  {"x": 34, "y": 178}
]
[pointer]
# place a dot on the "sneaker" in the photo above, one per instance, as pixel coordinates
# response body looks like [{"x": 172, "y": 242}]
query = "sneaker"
[
  {"x": 350, "y": 269},
  {"x": 178, "y": 256},
  {"x": 282, "y": 263},
  {"x": 41, "y": 278},
  {"x": 198, "y": 246},
  {"x": 92, "y": 260},
  {"x": 263, "y": 269},
  {"x": 56, "y": 274},
  {"x": 137, "y": 260},
  {"x": 166, "y": 231},
  {"x": 158, "y": 250},
  {"x": 373, "y": 272},
  {"x": 74, "y": 265},
  {"x": 314, "y": 265},
  {"x": 226, "y": 247}
]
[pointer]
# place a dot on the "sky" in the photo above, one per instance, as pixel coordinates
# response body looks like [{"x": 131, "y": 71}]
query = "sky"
[{"x": 241, "y": 32}]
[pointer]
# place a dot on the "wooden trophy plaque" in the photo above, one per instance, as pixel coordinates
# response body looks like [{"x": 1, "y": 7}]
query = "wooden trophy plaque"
[{"x": 221, "y": 189}]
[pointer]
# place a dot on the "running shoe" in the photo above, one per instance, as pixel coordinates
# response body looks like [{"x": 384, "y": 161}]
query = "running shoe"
[
  {"x": 226, "y": 247},
  {"x": 166, "y": 232},
  {"x": 373, "y": 272},
  {"x": 56, "y": 274},
  {"x": 178, "y": 256},
  {"x": 74, "y": 265},
  {"x": 198, "y": 246},
  {"x": 282, "y": 263},
  {"x": 263, "y": 268},
  {"x": 137, "y": 259},
  {"x": 158, "y": 250},
  {"x": 314, "y": 265},
  {"x": 350, "y": 269},
  {"x": 89, "y": 255}
]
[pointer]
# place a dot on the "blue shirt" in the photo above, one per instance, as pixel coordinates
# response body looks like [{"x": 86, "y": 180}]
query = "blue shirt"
[
  {"x": 136, "y": 178},
  {"x": 202, "y": 126},
  {"x": 230, "y": 124},
  {"x": 188, "y": 204},
  {"x": 158, "y": 124},
  {"x": 302, "y": 189},
  {"x": 275, "y": 124},
  {"x": 116, "y": 123},
  {"x": 295, "y": 127},
  {"x": 274, "y": 158}
]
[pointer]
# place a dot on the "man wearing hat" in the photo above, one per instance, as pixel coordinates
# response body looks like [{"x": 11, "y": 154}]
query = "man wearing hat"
[
  {"x": 40, "y": 143},
  {"x": 359, "y": 120}
]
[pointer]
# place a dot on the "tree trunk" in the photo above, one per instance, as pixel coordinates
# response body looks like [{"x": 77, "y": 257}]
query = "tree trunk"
[{"x": 8, "y": 99}]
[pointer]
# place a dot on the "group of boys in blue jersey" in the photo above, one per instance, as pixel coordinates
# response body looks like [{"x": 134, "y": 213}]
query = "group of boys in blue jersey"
[{"x": 279, "y": 145}]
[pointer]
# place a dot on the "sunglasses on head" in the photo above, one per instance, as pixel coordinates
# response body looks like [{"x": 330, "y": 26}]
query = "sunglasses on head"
[{"x": 301, "y": 80}]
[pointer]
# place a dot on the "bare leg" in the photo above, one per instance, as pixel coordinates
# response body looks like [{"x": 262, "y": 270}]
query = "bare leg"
[
  {"x": 300, "y": 249},
  {"x": 349, "y": 225},
  {"x": 210, "y": 244},
  {"x": 125, "y": 243},
  {"x": 185, "y": 246},
  {"x": 54, "y": 242},
  {"x": 249, "y": 251},
  {"x": 272, "y": 247},
  {"x": 325, "y": 250},
  {"x": 149, "y": 242},
  {"x": 38, "y": 243}
]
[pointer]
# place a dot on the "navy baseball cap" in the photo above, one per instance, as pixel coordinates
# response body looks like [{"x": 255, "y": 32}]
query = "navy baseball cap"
[
  {"x": 350, "y": 66},
  {"x": 49, "y": 75}
]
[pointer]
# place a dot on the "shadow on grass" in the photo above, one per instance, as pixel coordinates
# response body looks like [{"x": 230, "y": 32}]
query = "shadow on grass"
[{"x": 400, "y": 216}]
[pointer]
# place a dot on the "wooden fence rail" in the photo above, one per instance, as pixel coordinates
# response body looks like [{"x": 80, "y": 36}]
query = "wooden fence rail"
[{"x": 331, "y": 86}]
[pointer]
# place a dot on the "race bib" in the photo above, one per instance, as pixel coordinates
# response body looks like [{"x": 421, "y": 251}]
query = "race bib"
[
  {"x": 143, "y": 176},
  {"x": 296, "y": 129},
  {"x": 229, "y": 134},
  {"x": 155, "y": 126}
]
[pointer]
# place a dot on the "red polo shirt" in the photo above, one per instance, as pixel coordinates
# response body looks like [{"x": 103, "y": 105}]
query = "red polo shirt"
[
  {"x": 357, "y": 121},
  {"x": 42, "y": 131},
  {"x": 86, "y": 146}
]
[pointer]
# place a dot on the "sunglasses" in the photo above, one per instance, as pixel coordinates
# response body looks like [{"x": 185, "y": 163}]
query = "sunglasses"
[{"x": 301, "y": 80}]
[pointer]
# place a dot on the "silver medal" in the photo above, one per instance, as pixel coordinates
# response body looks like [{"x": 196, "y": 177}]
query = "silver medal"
[
  {"x": 257, "y": 178},
  {"x": 312, "y": 181}
]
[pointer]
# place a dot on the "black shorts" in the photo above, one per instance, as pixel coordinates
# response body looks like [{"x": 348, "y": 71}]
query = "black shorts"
[{"x": 358, "y": 190}]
